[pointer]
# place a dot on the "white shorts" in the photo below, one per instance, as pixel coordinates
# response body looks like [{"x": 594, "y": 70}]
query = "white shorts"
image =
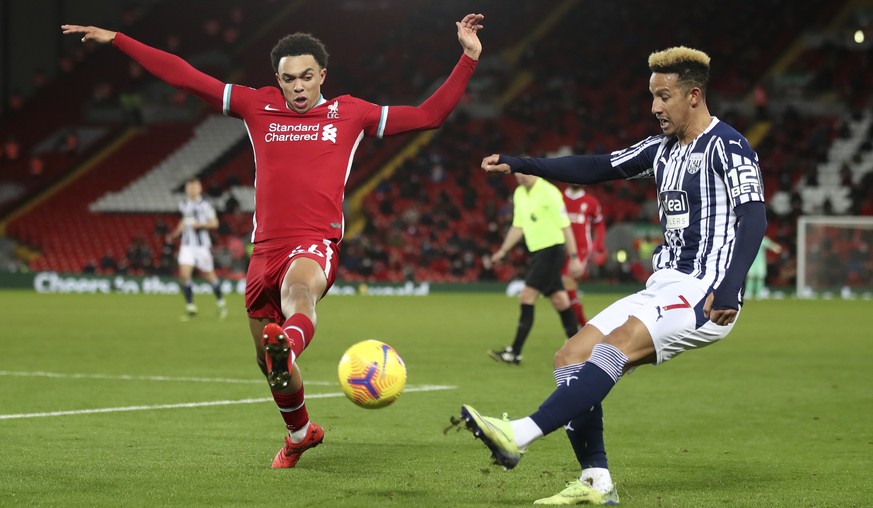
[
  {"x": 671, "y": 307},
  {"x": 198, "y": 257}
]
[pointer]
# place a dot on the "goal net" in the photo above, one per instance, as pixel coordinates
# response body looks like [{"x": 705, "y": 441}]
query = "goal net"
[{"x": 834, "y": 256}]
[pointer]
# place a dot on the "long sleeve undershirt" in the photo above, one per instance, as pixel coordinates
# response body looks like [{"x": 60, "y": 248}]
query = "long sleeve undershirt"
[
  {"x": 178, "y": 73},
  {"x": 582, "y": 169},
  {"x": 751, "y": 226}
]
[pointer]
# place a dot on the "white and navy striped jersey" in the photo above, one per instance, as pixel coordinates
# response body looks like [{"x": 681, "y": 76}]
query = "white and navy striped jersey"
[
  {"x": 698, "y": 187},
  {"x": 197, "y": 211}
]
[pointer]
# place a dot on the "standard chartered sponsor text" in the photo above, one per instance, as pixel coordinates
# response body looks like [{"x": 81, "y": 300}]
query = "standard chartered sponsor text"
[{"x": 293, "y": 132}]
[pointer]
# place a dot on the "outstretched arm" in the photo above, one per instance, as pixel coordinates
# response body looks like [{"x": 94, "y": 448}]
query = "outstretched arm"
[
  {"x": 432, "y": 112},
  {"x": 165, "y": 66},
  {"x": 90, "y": 33},
  {"x": 582, "y": 169}
]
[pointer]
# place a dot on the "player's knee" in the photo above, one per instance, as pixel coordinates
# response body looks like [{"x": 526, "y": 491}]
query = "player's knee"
[
  {"x": 296, "y": 290},
  {"x": 528, "y": 295},
  {"x": 297, "y": 294},
  {"x": 570, "y": 354},
  {"x": 634, "y": 341}
]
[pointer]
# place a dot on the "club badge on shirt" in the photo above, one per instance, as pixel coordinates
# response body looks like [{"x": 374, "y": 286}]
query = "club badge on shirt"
[{"x": 695, "y": 162}]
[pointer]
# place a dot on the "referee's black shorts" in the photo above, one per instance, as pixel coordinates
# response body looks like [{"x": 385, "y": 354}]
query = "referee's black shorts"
[{"x": 544, "y": 274}]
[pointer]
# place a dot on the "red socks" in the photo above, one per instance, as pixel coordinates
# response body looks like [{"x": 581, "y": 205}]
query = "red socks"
[
  {"x": 299, "y": 330},
  {"x": 577, "y": 307},
  {"x": 292, "y": 408}
]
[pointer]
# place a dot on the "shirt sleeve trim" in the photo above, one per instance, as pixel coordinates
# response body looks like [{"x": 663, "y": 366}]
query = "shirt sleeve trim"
[
  {"x": 383, "y": 120},
  {"x": 225, "y": 102}
]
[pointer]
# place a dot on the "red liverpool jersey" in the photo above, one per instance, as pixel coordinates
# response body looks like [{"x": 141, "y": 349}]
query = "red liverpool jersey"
[
  {"x": 302, "y": 161},
  {"x": 584, "y": 211}
]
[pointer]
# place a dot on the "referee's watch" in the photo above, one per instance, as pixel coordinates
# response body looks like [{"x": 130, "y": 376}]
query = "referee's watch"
[{"x": 574, "y": 256}]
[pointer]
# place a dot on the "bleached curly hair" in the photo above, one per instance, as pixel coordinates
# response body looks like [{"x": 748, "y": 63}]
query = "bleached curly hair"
[{"x": 690, "y": 65}]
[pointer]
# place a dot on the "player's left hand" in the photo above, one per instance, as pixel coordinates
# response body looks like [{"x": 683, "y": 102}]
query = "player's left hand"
[
  {"x": 721, "y": 317},
  {"x": 599, "y": 256},
  {"x": 467, "y": 34}
]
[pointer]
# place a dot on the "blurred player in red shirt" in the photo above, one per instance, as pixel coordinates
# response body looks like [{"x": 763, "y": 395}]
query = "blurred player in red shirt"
[
  {"x": 303, "y": 146},
  {"x": 586, "y": 218}
]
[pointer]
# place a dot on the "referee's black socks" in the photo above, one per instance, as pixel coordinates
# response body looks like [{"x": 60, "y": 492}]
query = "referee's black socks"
[
  {"x": 569, "y": 322},
  {"x": 525, "y": 323}
]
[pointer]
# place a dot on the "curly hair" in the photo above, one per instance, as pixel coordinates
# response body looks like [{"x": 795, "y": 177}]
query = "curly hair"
[
  {"x": 690, "y": 65},
  {"x": 299, "y": 44}
]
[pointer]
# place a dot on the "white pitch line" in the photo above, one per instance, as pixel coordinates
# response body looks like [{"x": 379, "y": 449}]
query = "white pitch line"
[
  {"x": 421, "y": 388},
  {"x": 124, "y": 377}
]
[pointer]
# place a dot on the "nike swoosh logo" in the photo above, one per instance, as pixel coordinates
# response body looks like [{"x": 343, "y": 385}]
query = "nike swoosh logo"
[{"x": 269, "y": 107}]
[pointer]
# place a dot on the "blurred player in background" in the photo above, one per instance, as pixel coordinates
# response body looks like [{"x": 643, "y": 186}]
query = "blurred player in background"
[
  {"x": 303, "y": 146},
  {"x": 195, "y": 249},
  {"x": 713, "y": 218},
  {"x": 540, "y": 218},
  {"x": 756, "y": 280},
  {"x": 589, "y": 230}
]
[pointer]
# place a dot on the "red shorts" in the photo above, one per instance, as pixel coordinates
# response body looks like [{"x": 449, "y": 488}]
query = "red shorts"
[{"x": 269, "y": 264}]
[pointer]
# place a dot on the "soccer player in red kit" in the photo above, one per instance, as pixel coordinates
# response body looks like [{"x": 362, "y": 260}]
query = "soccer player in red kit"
[
  {"x": 303, "y": 146},
  {"x": 586, "y": 217}
]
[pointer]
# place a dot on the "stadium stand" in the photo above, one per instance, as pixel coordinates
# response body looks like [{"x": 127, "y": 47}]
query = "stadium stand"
[{"x": 433, "y": 216}]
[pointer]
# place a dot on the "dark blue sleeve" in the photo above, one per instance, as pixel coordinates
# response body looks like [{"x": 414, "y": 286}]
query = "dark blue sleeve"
[
  {"x": 583, "y": 169},
  {"x": 752, "y": 224},
  {"x": 634, "y": 161}
]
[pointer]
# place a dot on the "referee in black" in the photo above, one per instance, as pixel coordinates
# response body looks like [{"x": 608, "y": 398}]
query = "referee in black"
[{"x": 539, "y": 216}]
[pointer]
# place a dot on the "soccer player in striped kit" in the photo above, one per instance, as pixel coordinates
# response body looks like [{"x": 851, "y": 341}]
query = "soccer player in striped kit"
[
  {"x": 713, "y": 219},
  {"x": 195, "y": 249},
  {"x": 303, "y": 146}
]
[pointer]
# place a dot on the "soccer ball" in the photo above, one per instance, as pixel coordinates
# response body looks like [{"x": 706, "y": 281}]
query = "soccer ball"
[{"x": 372, "y": 374}]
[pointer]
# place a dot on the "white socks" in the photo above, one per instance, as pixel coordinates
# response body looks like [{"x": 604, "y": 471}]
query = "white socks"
[
  {"x": 525, "y": 432},
  {"x": 299, "y": 434},
  {"x": 598, "y": 478}
]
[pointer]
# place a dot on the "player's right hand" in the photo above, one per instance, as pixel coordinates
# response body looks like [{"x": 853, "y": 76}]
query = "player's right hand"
[
  {"x": 92, "y": 33},
  {"x": 490, "y": 164},
  {"x": 721, "y": 317}
]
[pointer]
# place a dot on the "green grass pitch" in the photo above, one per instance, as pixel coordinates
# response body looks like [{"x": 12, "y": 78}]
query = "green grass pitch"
[{"x": 778, "y": 414}]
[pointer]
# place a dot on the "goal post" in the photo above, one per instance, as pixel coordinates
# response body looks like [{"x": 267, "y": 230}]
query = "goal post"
[{"x": 834, "y": 255}]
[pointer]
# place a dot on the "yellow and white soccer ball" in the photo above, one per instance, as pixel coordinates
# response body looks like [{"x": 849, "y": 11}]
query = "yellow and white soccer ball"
[{"x": 372, "y": 374}]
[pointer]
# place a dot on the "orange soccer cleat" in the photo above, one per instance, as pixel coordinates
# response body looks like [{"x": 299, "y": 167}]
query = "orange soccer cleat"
[{"x": 291, "y": 452}]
